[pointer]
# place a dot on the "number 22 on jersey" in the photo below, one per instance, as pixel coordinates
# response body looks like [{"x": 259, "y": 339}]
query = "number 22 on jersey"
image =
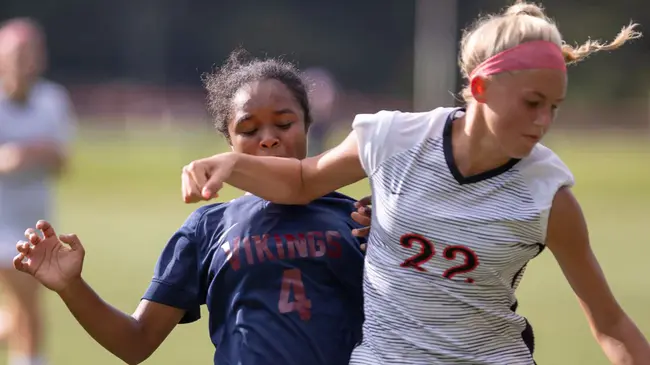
[
  {"x": 292, "y": 282},
  {"x": 427, "y": 251}
]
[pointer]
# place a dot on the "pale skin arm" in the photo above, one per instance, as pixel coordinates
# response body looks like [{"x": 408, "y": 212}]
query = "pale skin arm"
[
  {"x": 280, "y": 180},
  {"x": 46, "y": 154},
  {"x": 568, "y": 240}
]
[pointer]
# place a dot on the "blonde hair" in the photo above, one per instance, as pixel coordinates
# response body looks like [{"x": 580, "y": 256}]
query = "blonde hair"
[{"x": 524, "y": 22}]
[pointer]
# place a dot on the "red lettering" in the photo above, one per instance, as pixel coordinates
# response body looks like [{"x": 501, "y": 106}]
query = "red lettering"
[
  {"x": 317, "y": 247},
  {"x": 300, "y": 244},
  {"x": 333, "y": 245},
  {"x": 292, "y": 279},
  {"x": 232, "y": 255},
  {"x": 249, "y": 253},
  {"x": 262, "y": 249},
  {"x": 279, "y": 246}
]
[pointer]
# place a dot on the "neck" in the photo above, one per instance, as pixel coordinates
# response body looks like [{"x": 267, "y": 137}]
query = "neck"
[{"x": 475, "y": 149}]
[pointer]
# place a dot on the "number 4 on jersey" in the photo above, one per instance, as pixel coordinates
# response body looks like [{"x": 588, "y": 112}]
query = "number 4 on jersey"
[{"x": 292, "y": 282}]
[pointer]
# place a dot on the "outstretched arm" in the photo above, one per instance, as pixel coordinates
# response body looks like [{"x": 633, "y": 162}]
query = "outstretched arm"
[
  {"x": 132, "y": 338},
  {"x": 375, "y": 138},
  {"x": 277, "y": 179},
  {"x": 568, "y": 239}
]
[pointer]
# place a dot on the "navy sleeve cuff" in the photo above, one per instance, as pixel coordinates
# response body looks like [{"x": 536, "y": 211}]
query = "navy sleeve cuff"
[{"x": 163, "y": 293}]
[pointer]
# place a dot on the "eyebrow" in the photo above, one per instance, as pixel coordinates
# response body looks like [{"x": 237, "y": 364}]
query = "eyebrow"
[
  {"x": 246, "y": 117},
  {"x": 543, "y": 96}
]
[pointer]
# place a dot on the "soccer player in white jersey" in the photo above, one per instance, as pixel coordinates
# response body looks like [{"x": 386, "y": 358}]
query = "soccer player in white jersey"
[
  {"x": 35, "y": 125},
  {"x": 462, "y": 200}
]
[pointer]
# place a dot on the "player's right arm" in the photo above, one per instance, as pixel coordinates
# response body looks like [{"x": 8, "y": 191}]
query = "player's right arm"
[
  {"x": 132, "y": 338},
  {"x": 173, "y": 296},
  {"x": 292, "y": 181}
]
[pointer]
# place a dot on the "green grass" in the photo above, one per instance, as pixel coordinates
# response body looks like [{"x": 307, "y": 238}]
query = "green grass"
[{"x": 122, "y": 197}]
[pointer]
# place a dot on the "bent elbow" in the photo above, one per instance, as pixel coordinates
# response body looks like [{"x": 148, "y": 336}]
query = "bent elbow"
[{"x": 137, "y": 358}]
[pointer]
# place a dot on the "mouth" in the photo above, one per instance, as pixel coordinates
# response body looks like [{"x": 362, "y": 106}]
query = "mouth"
[{"x": 532, "y": 138}]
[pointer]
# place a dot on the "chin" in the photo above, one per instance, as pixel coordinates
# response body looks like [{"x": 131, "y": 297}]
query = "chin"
[{"x": 521, "y": 151}]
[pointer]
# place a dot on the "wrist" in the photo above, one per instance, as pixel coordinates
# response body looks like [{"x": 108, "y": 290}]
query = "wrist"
[
  {"x": 71, "y": 289},
  {"x": 234, "y": 159}
]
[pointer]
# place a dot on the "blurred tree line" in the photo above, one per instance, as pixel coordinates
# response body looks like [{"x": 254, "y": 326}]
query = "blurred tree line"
[{"x": 367, "y": 44}]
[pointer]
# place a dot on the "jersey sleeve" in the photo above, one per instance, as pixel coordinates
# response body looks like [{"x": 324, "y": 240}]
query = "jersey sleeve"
[
  {"x": 545, "y": 174},
  {"x": 372, "y": 132},
  {"x": 177, "y": 274},
  {"x": 382, "y": 135}
]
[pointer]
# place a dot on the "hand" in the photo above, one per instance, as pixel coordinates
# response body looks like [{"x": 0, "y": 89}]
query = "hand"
[
  {"x": 362, "y": 216},
  {"x": 49, "y": 261},
  {"x": 10, "y": 158},
  {"x": 202, "y": 179}
]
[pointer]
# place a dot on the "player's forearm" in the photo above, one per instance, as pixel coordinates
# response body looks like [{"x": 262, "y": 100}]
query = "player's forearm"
[
  {"x": 272, "y": 178},
  {"x": 623, "y": 343},
  {"x": 116, "y": 331},
  {"x": 48, "y": 155}
]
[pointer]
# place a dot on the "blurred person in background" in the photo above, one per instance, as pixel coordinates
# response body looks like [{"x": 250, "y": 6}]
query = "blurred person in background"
[
  {"x": 36, "y": 123},
  {"x": 323, "y": 93},
  {"x": 282, "y": 283}
]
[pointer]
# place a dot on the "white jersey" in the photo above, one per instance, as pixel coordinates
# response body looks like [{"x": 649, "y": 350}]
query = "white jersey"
[
  {"x": 25, "y": 195},
  {"x": 446, "y": 252}
]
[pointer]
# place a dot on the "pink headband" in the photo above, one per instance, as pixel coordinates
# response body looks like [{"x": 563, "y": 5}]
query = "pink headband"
[{"x": 526, "y": 56}]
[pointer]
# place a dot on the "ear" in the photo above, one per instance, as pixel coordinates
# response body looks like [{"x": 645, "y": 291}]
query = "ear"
[{"x": 477, "y": 86}]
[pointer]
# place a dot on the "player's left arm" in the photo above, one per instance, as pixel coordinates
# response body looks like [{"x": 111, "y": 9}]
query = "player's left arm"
[
  {"x": 49, "y": 152},
  {"x": 568, "y": 239}
]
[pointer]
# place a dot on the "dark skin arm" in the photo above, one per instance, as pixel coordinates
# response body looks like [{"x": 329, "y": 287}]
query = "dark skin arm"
[{"x": 132, "y": 338}]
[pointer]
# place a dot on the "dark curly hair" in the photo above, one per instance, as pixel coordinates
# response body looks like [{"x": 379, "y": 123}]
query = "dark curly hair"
[{"x": 241, "y": 69}]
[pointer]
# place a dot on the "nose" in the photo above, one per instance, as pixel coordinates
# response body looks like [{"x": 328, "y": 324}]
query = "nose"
[
  {"x": 544, "y": 118},
  {"x": 269, "y": 140}
]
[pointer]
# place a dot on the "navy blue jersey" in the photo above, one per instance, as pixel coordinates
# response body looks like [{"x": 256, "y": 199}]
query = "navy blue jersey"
[{"x": 282, "y": 283}]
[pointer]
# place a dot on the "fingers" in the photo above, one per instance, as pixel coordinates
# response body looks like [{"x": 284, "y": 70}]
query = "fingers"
[
  {"x": 212, "y": 186},
  {"x": 197, "y": 185},
  {"x": 71, "y": 240},
  {"x": 20, "y": 263},
  {"x": 32, "y": 236},
  {"x": 362, "y": 219},
  {"x": 191, "y": 190},
  {"x": 196, "y": 171},
  {"x": 46, "y": 228},
  {"x": 24, "y": 247},
  {"x": 365, "y": 201},
  {"x": 361, "y": 232}
]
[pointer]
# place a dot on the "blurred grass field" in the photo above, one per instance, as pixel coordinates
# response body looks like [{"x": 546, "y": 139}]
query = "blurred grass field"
[{"x": 122, "y": 197}]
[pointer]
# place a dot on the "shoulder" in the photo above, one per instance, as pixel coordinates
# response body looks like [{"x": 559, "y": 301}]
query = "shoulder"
[
  {"x": 385, "y": 134},
  {"x": 336, "y": 201},
  {"x": 339, "y": 207},
  {"x": 543, "y": 167},
  {"x": 202, "y": 220},
  {"x": 545, "y": 176},
  {"x": 51, "y": 89},
  {"x": 408, "y": 122}
]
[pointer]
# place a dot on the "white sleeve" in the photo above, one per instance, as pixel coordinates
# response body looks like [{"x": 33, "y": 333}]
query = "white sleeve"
[
  {"x": 545, "y": 175},
  {"x": 384, "y": 134},
  {"x": 372, "y": 134}
]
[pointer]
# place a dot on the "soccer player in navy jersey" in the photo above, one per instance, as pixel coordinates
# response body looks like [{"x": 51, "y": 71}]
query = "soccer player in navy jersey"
[{"x": 282, "y": 283}]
